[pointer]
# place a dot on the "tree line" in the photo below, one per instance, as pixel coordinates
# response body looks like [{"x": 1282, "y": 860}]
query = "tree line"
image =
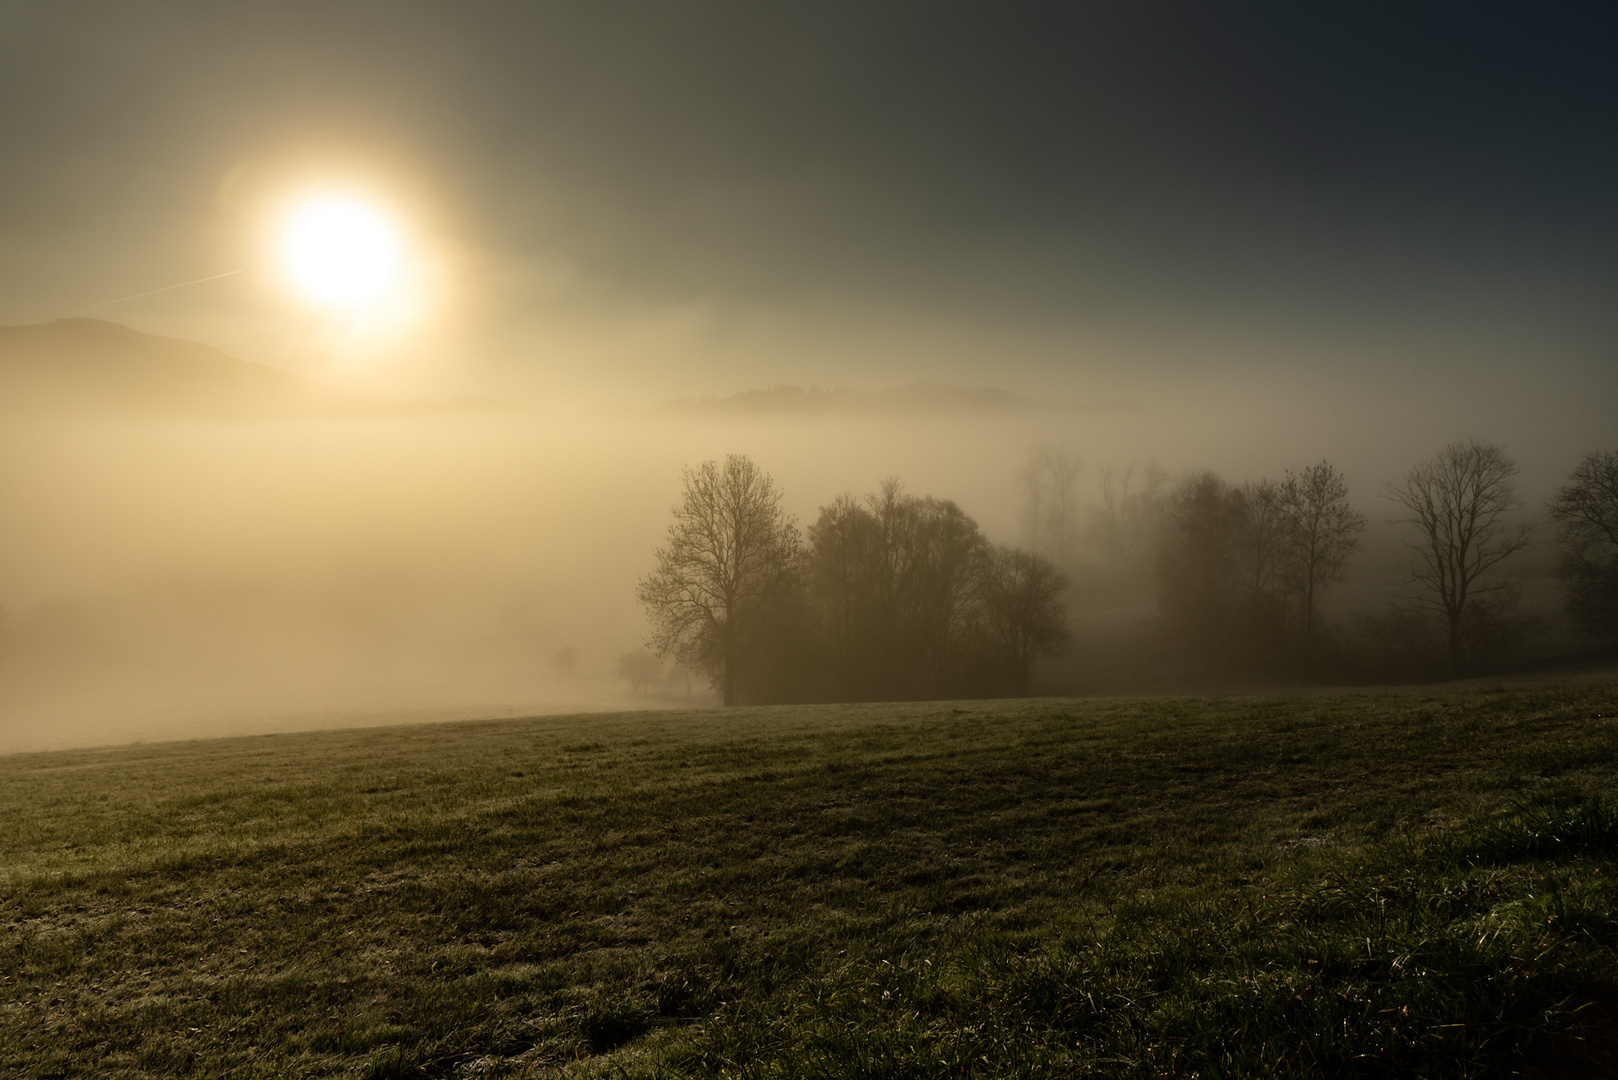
[
  {"x": 1246, "y": 567},
  {"x": 1239, "y": 571},
  {"x": 895, "y": 595},
  {"x": 887, "y": 597}
]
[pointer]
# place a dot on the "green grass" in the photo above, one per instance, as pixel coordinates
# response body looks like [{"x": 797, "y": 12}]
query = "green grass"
[{"x": 1220, "y": 887}]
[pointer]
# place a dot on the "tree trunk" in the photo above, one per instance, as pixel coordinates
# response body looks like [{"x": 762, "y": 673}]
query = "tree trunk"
[
  {"x": 1454, "y": 642},
  {"x": 730, "y": 664}
]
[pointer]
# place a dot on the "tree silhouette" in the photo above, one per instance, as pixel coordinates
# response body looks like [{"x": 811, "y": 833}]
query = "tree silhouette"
[
  {"x": 1023, "y": 610},
  {"x": 1263, "y": 541},
  {"x": 1124, "y": 529},
  {"x": 843, "y": 545},
  {"x": 1585, "y": 510},
  {"x": 947, "y": 554},
  {"x": 893, "y": 584},
  {"x": 1322, "y": 534},
  {"x": 1201, "y": 577},
  {"x": 1051, "y": 501},
  {"x": 1459, "y": 502},
  {"x": 729, "y": 552}
]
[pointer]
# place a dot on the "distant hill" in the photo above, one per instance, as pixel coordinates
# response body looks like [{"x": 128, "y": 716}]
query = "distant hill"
[
  {"x": 914, "y": 398},
  {"x": 78, "y": 364}
]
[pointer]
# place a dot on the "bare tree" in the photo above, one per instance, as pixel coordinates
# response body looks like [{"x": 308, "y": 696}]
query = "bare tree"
[
  {"x": 1125, "y": 526},
  {"x": 1263, "y": 539},
  {"x": 1459, "y": 502},
  {"x": 1023, "y": 609},
  {"x": 1585, "y": 510},
  {"x": 1051, "y": 500},
  {"x": 1323, "y": 533},
  {"x": 730, "y": 550}
]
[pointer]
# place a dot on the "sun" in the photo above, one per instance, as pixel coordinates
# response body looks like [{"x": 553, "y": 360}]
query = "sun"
[{"x": 342, "y": 251}]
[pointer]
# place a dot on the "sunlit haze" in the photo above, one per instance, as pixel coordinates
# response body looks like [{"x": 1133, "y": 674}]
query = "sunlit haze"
[{"x": 352, "y": 353}]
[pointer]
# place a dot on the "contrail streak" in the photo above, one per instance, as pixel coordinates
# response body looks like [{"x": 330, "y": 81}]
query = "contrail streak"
[{"x": 166, "y": 288}]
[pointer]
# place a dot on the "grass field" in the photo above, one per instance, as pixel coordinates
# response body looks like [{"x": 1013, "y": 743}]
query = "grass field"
[{"x": 1218, "y": 887}]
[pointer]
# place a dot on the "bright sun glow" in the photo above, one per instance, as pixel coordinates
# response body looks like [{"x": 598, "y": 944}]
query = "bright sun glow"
[{"x": 342, "y": 252}]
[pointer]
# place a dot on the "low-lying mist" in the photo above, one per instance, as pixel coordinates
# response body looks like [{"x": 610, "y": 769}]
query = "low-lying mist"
[{"x": 165, "y": 577}]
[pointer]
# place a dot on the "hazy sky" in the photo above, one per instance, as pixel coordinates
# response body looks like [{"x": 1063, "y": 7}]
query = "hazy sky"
[
  {"x": 1214, "y": 236},
  {"x": 1089, "y": 200}
]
